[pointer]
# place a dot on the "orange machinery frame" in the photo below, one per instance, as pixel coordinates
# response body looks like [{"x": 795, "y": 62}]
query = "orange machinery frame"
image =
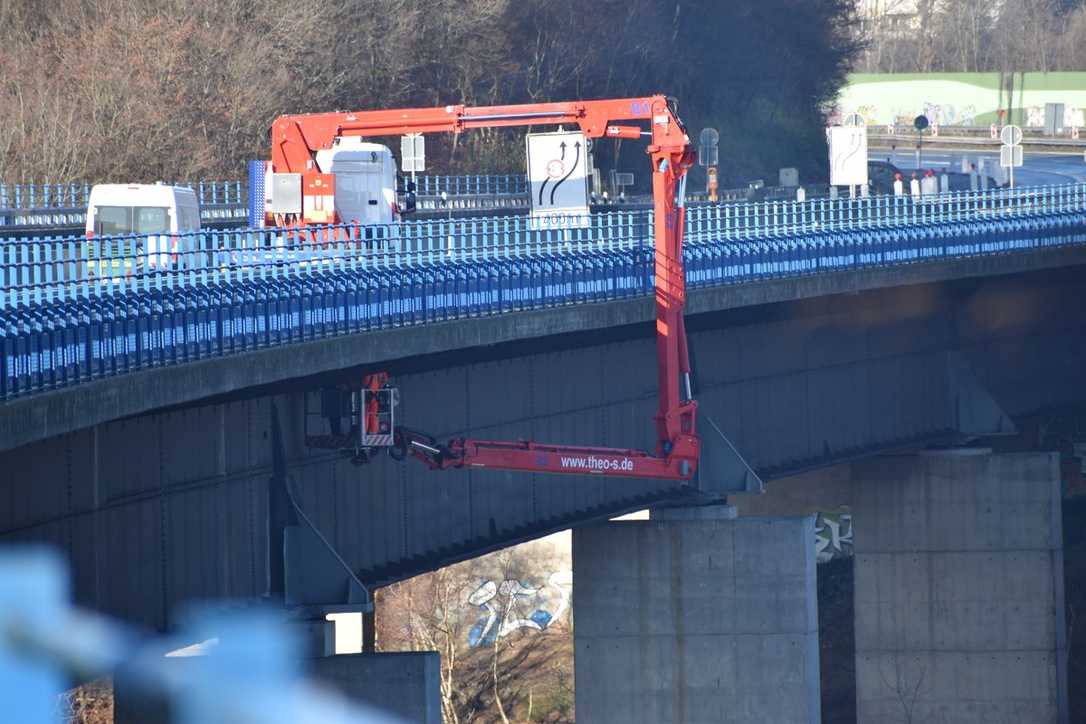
[{"x": 297, "y": 138}]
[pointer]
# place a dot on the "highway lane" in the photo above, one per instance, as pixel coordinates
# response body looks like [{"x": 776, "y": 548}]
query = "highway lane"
[{"x": 1039, "y": 169}]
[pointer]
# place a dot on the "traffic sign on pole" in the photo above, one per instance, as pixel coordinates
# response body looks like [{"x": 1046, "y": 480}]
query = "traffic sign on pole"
[
  {"x": 1010, "y": 156},
  {"x": 1011, "y": 135},
  {"x": 708, "y": 153},
  {"x": 558, "y": 179},
  {"x": 848, "y": 155},
  {"x": 413, "y": 152}
]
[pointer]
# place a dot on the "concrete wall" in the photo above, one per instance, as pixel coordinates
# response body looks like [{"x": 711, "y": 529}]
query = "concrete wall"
[
  {"x": 963, "y": 99},
  {"x": 696, "y": 621},
  {"x": 406, "y": 684},
  {"x": 959, "y": 590}
]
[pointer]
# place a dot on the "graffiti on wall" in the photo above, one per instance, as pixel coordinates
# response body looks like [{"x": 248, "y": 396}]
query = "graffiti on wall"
[
  {"x": 947, "y": 114},
  {"x": 833, "y": 536},
  {"x": 1072, "y": 117},
  {"x": 514, "y": 605}
]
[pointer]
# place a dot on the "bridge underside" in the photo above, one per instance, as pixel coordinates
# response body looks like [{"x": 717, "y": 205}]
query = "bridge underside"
[{"x": 174, "y": 505}]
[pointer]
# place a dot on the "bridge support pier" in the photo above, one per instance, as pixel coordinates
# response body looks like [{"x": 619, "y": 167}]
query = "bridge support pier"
[
  {"x": 695, "y": 616},
  {"x": 959, "y": 600}
]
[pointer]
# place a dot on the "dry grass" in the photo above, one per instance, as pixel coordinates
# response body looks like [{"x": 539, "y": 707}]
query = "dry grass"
[{"x": 91, "y": 703}]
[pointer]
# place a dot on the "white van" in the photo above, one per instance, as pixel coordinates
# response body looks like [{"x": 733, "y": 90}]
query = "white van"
[
  {"x": 154, "y": 213},
  {"x": 365, "y": 180}
]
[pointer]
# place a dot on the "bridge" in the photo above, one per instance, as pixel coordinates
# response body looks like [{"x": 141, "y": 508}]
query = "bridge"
[
  {"x": 59, "y": 209},
  {"x": 144, "y": 393}
]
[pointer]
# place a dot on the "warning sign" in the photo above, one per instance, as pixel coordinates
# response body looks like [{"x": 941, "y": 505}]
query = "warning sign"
[{"x": 558, "y": 179}]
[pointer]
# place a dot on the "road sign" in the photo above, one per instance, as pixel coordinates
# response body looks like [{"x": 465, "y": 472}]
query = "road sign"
[
  {"x": 558, "y": 179},
  {"x": 1010, "y": 156},
  {"x": 413, "y": 152},
  {"x": 708, "y": 153},
  {"x": 1011, "y": 135},
  {"x": 848, "y": 155},
  {"x": 920, "y": 122},
  {"x": 854, "y": 119}
]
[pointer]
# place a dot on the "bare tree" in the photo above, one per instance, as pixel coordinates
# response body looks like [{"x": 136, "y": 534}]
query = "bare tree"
[
  {"x": 905, "y": 685},
  {"x": 512, "y": 667}
]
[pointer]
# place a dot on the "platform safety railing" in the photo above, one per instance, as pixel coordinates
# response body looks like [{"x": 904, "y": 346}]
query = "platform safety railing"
[
  {"x": 73, "y": 310},
  {"x": 248, "y": 671}
]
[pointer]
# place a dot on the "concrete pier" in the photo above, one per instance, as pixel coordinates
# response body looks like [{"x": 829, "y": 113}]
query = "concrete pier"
[
  {"x": 691, "y": 620},
  {"x": 959, "y": 595}
]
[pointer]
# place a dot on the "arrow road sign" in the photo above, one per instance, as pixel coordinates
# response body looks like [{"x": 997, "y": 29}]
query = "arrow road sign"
[
  {"x": 558, "y": 178},
  {"x": 848, "y": 155}
]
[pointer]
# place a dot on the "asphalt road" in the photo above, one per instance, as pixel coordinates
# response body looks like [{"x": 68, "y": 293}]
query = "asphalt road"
[{"x": 1038, "y": 169}]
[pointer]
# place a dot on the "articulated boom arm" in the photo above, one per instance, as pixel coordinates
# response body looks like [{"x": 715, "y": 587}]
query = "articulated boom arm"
[{"x": 296, "y": 139}]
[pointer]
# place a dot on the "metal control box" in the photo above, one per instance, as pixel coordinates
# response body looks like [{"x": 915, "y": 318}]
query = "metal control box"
[{"x": 286, "y": 193}]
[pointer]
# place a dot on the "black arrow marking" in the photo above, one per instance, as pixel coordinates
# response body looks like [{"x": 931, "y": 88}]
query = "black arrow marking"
[
  {"x": 576, "y": 160},
  {"x": 563, "y": 147},
  {"x": 541, "y": 187}
]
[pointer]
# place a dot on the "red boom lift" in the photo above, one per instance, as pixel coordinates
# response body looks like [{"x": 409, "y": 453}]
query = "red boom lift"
[{"x": 297, "y": 138}]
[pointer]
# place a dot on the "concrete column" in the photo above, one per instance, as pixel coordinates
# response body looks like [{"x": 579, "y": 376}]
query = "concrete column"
[
  {"x": 959, "y": 589},
  {"x": 691, "y": 620},
  {"x": 406, "y": 684}
]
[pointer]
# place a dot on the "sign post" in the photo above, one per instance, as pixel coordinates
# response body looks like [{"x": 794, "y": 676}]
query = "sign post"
[
  {"x": 1010, "y": 154},
  {"x": 709, "y": 157},
  {"x": 920, "y": 123},
  {"x": 558, "y": 179},
  {"x": 848, "y": 154},
  {"x": 413, "y": 153}
]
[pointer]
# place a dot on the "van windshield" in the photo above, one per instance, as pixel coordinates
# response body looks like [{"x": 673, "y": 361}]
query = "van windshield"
[{"x": 131, "y": 220}]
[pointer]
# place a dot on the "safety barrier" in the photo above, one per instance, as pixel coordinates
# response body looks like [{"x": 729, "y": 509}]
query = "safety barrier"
[
  {"x": 478, "y": 185},
  {"x": 76, "y": 195},
  {"x": 76, "y": 310},
  {"x": 248, "y": 669},
  {"x": 52, "y": 205},
  {"x": 65, "y": 205}
]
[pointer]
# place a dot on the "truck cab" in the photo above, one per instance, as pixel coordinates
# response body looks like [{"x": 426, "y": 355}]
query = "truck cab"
[
  {"x": 354, "y": 182},
  {"x": 141, "y": 222},
  {"x": 365, "y": 176}
]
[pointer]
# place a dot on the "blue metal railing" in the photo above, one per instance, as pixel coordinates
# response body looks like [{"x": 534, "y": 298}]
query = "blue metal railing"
[
  {"x": 26, "y": 206},
  {"x": 63, "y": 205},
  {"x": 76, "y": 195},
  {"x": 75, "y": 310},
  {"x": 486, "y": 185}
]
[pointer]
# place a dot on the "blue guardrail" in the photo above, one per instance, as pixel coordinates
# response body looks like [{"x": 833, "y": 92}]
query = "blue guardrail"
[{"x": 74, "y": 310}]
